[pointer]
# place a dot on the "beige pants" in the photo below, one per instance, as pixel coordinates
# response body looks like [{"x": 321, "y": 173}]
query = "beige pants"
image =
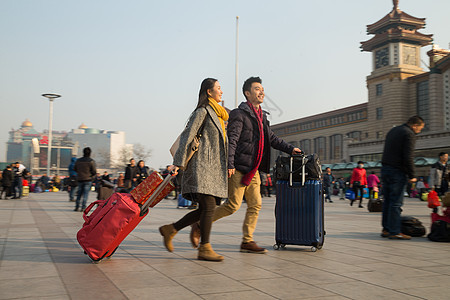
[{"x": 236, "y": 192}]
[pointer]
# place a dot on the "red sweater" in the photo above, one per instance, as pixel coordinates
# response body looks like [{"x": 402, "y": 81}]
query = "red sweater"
[{"x": 359, "y": 175}]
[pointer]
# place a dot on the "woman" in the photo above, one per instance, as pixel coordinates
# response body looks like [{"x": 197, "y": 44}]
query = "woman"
[
  {"x": 205, "y": 175},
  {"x": 358, "y": 182},
  {"x": 142, "y": 171}
]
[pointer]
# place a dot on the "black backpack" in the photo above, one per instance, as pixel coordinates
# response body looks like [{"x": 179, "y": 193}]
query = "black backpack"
[
  {"x": 412, "y": 226},
  {"x": 313, "y": 168},
  {"x": 440, "y": 231}
]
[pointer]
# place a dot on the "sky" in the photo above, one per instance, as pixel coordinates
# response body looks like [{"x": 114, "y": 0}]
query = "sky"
[{"x": 136, "y": 65}]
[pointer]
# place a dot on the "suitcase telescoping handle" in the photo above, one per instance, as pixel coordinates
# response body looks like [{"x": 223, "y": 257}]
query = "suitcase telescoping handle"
[
  {"x": 291, "y": 171},
  {"x": 158, "y": 190}
]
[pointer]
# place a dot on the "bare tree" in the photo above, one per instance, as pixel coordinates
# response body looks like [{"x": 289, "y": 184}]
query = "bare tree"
[
  {"x": 123, "y": 157},
  {"x": 141, "y": 152},
  {"x": 103, "y": 158}
]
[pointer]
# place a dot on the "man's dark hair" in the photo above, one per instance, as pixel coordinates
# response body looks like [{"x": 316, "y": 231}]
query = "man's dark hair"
[
  {"x": 248, "y": 84},
  {"x": 131, "y": 159},
  {"x": 87, "y": 152},
  {"x": 360, "y": 162},
  {"x": 442, "y": 153},
  {"x": 415, "y": 120}
]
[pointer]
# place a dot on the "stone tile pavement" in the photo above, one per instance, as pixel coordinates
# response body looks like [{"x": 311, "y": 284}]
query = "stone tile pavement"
[{"x": 40, "y": 258}]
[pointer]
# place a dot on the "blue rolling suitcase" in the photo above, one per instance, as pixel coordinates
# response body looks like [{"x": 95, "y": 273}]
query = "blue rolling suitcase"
[{"x": 299, "y": 212}]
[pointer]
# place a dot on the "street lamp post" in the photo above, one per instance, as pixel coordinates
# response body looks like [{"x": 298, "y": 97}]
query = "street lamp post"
[{"x": 50, "y": 97}]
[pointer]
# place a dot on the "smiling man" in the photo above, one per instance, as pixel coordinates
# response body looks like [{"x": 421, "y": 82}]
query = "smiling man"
[{"x": 249, "y": 142}]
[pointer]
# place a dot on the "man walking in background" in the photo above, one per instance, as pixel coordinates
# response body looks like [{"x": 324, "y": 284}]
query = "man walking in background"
[
  {"x": 86, "y": 170},
  {"x": 397, "y": 170},
  {"x": 328, "y": 182}
]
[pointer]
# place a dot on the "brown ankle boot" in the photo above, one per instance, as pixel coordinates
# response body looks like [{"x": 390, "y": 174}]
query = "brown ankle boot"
[
  {"x": 195, "y": 235},
  {"x": 168, "y": 232},
  {"x": 205, "y": 252}
]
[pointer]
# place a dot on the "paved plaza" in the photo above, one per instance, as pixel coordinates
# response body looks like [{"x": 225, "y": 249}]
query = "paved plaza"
[{"x": 41, "y": 259}]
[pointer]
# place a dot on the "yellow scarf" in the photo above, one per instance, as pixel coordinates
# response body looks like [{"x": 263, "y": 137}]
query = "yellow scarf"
[{"x": 221, "y": 114}]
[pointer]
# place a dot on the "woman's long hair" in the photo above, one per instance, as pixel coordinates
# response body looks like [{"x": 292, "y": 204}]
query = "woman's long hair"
[{"x": 207, "y": 84}]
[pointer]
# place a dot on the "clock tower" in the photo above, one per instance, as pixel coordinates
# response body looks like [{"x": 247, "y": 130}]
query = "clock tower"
[{"x": 395, "y": 48}]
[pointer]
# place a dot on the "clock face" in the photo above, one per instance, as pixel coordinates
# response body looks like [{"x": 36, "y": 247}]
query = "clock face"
[
  {"x": 381, "y": 58},
  {"x": 409, "y": 55}
]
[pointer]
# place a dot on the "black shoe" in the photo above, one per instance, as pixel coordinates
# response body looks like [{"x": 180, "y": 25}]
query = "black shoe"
[
  {"x": 351, "y": 202},
  {"x": 331, "y": 201},
  {"x": 76, "y": 209},
  {"x": 360, "y": 206}
]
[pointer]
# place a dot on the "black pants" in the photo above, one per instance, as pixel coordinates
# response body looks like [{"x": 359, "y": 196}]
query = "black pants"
[
  {"x": 204, "y": 214},
  {"x": 360, "y": 188}
]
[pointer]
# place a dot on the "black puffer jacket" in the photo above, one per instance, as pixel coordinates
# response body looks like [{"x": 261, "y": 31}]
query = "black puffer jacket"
[{"x": 243, "y": 137}]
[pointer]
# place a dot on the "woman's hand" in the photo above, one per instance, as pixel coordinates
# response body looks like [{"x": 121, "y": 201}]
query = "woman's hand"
[{"x": 173, "y": 169}]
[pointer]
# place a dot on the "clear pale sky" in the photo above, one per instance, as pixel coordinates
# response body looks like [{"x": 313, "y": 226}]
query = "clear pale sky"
[{"x": 137, "y": 65}]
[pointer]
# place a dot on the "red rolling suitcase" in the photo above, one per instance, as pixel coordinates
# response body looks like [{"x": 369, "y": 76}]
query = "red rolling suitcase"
[{"x": 112, "y": 221}]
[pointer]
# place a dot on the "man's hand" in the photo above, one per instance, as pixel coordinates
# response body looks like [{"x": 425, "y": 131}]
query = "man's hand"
[
  {"x": 231, "y": 172},
  {"x": 296, "y": 151},
  {"x": 413, "y": 180}
]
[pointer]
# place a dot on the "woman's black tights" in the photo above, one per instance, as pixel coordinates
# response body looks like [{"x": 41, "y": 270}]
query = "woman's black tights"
[{"x": 204, "y": 214}]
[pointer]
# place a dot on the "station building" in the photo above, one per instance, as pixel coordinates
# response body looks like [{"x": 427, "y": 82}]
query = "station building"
[{"x": 398, "y": 88}]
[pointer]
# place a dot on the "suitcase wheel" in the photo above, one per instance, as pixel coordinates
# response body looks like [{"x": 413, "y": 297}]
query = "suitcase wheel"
[
  {"x": 278, "y": 246},
  {"x": 313, "y": 249}
]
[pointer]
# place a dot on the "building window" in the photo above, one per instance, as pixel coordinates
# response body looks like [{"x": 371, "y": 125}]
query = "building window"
[
  {"x": 423, "y": 102},
  {"x": 305, "y": 146},
  {"x": 379, "y": 89},
  {"x": 356, "y": 135},
  {"x": 379, "y": 135},
  {"x": 336, "y": 146},
  {"x": 320, "y": 147},
  {"x": 379, "y": 113}
]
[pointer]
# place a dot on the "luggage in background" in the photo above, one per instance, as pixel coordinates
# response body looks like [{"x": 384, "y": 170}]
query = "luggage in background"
[
  {"x": 299, "y": 212},
  {"x": 440, "y": 231},
  {"x": 113, "y": 219},
  {"x": 350, "y": 194},
  {"x": 412, "y": 226},
  {"x": 182, "y": 202},
  {"x": 375, "y": 205}
]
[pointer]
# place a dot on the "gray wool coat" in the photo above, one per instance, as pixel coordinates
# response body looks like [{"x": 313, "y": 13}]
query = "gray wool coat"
[{"x": 206, "y": 172}]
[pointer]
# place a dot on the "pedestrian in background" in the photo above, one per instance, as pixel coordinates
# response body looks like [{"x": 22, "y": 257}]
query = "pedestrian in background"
[
  {"x": 397, "y": 169},
  {"x": 328, "y": 182},
  {"x": 205, "y": 175},
  {"x": 17, "y": 184},
  {"x": 72, "y": 182},
  {"x": 269, "y": 185},
  {"x": 341, "y": 187},
  {"x": 439, "y": 174},
  {"x": 86, "y": 171},
  {"x": 142, "y": 171},
  {"x": 7, "y": 180},
  {"x": 358, "y": 182},
  {"x": 372, "y": 183},
  {"x": 130, "y": 175}
]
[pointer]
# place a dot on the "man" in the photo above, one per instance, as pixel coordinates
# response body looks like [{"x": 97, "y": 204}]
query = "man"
[
  {"x": 249, "y": 141},
  {"x": 341, "y": 185},
  {"x": 72, "y": 182},
  {"x": 397, "y": 169},
  {"x": 328, "y": 181},
  {"x": 86, "y": 170},
  {"x": 439, "y": 174},
  {"x": 17, "y": 185},
  {"x": 7, "y": 180},
  {"x": 130, "y": 174}
]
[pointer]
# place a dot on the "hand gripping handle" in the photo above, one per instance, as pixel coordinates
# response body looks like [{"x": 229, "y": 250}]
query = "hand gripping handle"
[{"x": 161, "y": 186}]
